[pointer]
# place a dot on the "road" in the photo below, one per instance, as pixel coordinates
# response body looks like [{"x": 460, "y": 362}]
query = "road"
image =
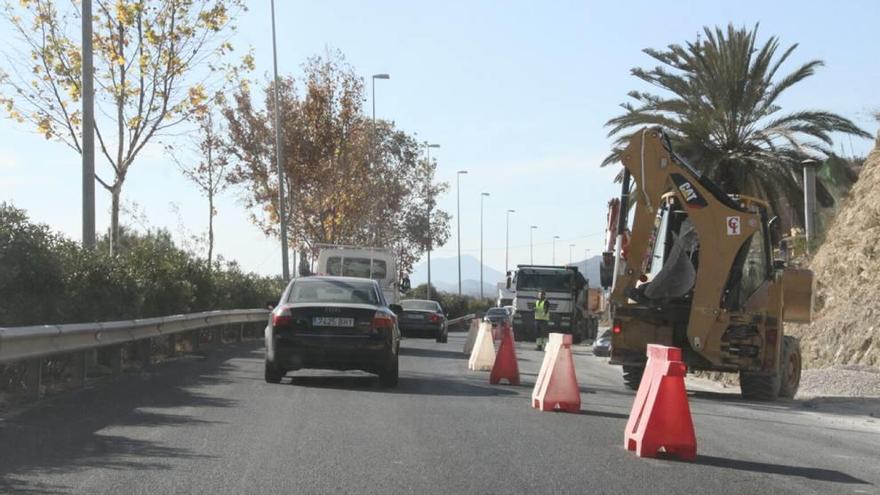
[{"x": 209, "y": 424}]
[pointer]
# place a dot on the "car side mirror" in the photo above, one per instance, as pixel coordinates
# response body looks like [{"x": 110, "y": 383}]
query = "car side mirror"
[
  {"x": 270, "y": 305},
  {"x": 396, "y": 308}
]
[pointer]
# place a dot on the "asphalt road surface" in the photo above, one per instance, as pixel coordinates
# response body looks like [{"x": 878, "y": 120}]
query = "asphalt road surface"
[{"x": 209, "y": 424}]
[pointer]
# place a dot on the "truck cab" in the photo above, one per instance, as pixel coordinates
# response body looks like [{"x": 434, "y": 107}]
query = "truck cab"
[{"x": 564, "y": 289}]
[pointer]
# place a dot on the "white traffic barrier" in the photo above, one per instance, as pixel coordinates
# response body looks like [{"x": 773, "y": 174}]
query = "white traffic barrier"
[
  {"x": 556, "y": 387},
  {"x": 471, "y": 336},
  {"x": 483, "y": 355}
]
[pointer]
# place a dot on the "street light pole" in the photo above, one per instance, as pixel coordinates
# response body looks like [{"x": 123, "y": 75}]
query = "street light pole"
[
  {"x": 279, "y": 161},
  {"x": 88, "y": 130},
  {"x": 532, "y": 245},
  {"x": 482, "y": 197},
  {"x": 458, "y": 221},
  {"x": 507, "y": 242},
  {"x": 428, "y": 147},
  {"x": 377, "y": 76},
  {"x": 554, "y": 249},
  {"x": 570, "y": 255},
  {"x": 810, "y": 167}
]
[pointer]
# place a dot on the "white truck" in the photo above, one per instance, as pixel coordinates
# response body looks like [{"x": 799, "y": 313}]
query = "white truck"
[
  {"x": 566, "y": 291},
  {"x": 363, "y": 262}
]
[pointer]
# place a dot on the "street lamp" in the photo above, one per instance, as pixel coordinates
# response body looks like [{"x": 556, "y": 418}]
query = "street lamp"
[
  {"x": 88, "y": 131},
  {"x": 428, "y": 147},
  {"x": 279, "y": 160},
  {"x": 458, "y": 220},
  {"x": 570, "y": 255},
  {"x": 482, "y": 197},
  {"x": 507, "y": 241},
  {"x": 532, "y": 245},
  {"x": 554, "y": 249},
  {"x": 377, "y": 76}
]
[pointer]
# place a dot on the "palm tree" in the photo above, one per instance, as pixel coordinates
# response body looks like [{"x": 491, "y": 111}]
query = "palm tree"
[{"x": 720, "y": 108}]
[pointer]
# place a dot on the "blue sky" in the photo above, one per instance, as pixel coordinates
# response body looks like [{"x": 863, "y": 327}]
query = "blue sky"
[{"x": 516, "y": 93}]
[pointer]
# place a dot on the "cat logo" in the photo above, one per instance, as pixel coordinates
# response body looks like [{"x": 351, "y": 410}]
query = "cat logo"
[{"x": 691, "y": 196}]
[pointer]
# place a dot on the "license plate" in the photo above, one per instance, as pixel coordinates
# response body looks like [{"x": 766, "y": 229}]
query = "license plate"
[
  {"x": 416, "y": 317},
  {"x": 332, "y": 321}
]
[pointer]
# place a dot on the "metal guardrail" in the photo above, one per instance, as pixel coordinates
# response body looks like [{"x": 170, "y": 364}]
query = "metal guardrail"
[
  {"x": 456, "y": 321},
  {"x": 20, "y": 343}
]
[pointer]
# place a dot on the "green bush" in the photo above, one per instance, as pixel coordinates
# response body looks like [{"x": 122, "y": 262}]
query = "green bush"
[{"x": 48, "y": 279}]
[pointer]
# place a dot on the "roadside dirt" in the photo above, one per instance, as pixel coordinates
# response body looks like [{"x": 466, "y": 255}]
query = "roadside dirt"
[{"x": 846, "y": 326}]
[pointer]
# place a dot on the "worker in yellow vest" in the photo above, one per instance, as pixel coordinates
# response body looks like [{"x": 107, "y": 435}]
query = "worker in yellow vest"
[{"x": 542, "y": 317}]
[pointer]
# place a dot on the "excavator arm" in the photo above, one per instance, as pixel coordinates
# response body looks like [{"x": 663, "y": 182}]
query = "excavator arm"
[{"x": 722, "y": 224}]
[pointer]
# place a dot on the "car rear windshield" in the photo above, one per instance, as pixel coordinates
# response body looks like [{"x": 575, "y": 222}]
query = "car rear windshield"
[
  {"x": 356, "y": 267},
  {"x": 497, "y": 312},
  {"x": 332, "y": 291},
  {"x": 420, "y": 305}
]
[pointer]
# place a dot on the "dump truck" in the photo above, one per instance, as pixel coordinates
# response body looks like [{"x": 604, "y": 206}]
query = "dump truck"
[
  {"x": 698, "y": 273},
  {"x": 566, "y": 290}
]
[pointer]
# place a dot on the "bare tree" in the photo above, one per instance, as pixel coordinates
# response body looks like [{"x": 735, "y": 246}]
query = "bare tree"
[
  {"x": 210, "y": 170},
  {"x": 154, "y": 62}
]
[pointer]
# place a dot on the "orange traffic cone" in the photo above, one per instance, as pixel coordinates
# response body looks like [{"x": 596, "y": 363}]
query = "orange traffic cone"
[
  {"x": 661, "y": 417},
  {"x": 557, "y": 388},
  {"x": 505, "y": 359}
]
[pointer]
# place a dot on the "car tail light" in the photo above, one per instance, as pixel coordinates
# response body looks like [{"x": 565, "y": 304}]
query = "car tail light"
[
  {"x": 616, "y": 329},
  {"x": 282, "y": 318},
  {"x": 435, "y": 317},
  {"x": 383, "y": 320}
]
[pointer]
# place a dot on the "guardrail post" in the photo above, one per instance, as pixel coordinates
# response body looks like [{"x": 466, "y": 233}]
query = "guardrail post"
[
  {"x": 34, "y": 377},
  {"x": 81, "y": 373},
  {"x": 114, "y": 355},
  {"x": 240, "y": 333},
  {"x": 143, "y": 352},
  {"x": 195, "y": 340},
  {"x": 172, "y": 345},
  {"x": 217, "y": 336}
]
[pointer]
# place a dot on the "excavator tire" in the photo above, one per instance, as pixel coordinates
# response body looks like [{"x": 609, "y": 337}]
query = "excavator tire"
[
  {"x": 759, "y": 386},
  {"x": 632, "y": 376},
  {"x": 783, "y": 383},
  {"x": 790, "y": 367}
]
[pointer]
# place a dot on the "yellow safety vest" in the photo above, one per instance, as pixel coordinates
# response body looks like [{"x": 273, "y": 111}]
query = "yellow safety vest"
[{"x": 542, "y": 311}]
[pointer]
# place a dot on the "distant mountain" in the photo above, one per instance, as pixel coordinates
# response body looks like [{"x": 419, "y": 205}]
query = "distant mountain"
[
  {"x": 444, "y": 275},
  {"x": 445, "y": 271}
]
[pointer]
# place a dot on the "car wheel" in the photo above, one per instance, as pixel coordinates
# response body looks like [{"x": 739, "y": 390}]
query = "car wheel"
[
  {"x": 388, "y": 377},
  {"x": 441, "y": 335},
  {"x": 273, "y": 374}
]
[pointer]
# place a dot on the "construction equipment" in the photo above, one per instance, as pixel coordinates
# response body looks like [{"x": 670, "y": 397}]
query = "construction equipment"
[
  {"x": 566, "y": 290},
  {"x": 698, "y": 274}
]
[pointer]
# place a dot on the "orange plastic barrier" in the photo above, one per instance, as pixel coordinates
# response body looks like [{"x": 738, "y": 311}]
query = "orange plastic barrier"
[
  {"x": 660, "y": 416},
  {"x": 557, "y": 388},
  {"x": 505, "y": 365}
]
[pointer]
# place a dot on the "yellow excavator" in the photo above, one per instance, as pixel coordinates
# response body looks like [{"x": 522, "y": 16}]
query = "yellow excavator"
[{"x": 698, "y": 273}]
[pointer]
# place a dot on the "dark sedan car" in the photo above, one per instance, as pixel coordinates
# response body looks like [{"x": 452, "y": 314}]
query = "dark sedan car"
[
  {"x": 421, "y": 316},
  {"x": 337, "y": 323},
  {"x": 497, "y": 316}
]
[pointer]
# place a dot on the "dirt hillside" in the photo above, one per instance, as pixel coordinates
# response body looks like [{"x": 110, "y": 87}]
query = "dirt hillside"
[{"x": 846, "y": 326}]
